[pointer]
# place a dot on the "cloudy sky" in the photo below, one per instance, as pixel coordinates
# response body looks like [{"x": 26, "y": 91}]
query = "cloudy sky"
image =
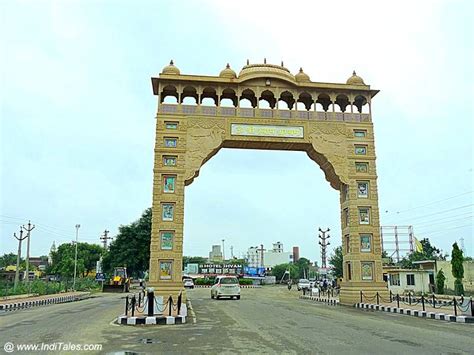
[{"x": 77, "y": 116}]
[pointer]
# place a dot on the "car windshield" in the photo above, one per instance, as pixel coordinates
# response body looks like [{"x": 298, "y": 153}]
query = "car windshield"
[
  {"x": 304, "y": 281},
  {"x": 229, "y": 281}
]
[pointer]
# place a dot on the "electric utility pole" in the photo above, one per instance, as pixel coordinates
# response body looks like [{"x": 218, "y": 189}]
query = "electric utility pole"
[
  {"x": 28, "y": 235},
  {"x": 18, "y": 257},
  {"x": 75, "y": 257},
  {"x": 323, "y": 243},
  {"x": 232, "y": 252},
  {"x": 223, "y": 251},
  {"x": 104, "y": 238}
]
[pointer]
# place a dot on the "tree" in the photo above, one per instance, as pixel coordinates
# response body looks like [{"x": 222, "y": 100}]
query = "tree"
[
  {"x": 440, "y": 279},
  {"x": 64, "y": 256},
  {"x": 429, "y": 252},
  {"x": 336, "y": 261},
  {"x": 303, "y": 265},
  {"x": 279, "y": 270},
  {"x": 457, "y": 269},
  {"x": 7, "y": 260},
  {"x": 131, "y": 247},
  {"x": 194, "y": 260}
]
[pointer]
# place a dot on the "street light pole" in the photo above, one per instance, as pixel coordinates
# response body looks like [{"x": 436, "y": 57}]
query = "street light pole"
[
  {"x": 223, "y": 251},
  {"x": 75, "y": 257}
]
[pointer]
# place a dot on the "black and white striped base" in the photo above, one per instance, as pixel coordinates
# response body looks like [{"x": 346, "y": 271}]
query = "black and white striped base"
[
  {"x": 320, "y": 299},
  {"x": 416, "y": 313},
  {"x": 155, "y": 320},
  {"x": 241, "y": 286},
  {"x": 42, "y": 302}
]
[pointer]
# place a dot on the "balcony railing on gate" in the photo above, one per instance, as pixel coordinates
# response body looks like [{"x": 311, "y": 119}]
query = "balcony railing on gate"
[{"x": 263, "y": 113}]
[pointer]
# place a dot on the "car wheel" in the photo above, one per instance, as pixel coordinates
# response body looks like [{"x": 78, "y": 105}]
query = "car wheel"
[
  {"x": 212, "y": 296},
  {"x": 238, "y": 297},
  {"x": 217, "y": 297}
]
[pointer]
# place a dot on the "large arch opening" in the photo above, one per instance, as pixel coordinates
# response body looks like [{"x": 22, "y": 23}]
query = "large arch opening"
[{"x": 255, "y": 198}]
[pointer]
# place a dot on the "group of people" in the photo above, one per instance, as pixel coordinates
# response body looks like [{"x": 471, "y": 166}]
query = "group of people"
[{"x": 321, "y": 285}]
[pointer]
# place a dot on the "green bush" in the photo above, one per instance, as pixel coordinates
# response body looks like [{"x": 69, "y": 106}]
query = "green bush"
[
  {"x": 440, "y": 279},
  {"x": 458, "y": 287},
  {"x": 204, "y": 281},
  {"x": 245, "y": 281},
  {"x": 43, "y": 287}
]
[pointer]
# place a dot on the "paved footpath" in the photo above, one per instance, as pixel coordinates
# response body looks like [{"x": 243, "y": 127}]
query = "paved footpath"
[{"x": 270, "y": 320}]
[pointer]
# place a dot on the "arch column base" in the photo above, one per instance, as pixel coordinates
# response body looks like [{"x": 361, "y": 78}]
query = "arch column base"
[
  {"x": 350, "y": 292},
  {"x": 168, "y": 289}
]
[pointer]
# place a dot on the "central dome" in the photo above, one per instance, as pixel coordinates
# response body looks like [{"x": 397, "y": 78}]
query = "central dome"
[{"x": 251, "y": 71}]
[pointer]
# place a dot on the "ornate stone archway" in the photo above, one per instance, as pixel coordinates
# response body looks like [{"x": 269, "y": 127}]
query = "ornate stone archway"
[{"x": 341, "y": 143}]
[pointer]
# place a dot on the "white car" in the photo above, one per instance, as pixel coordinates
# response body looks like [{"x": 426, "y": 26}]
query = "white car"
[
  {"x": 226, "y": 286},
  {"x": 303, "y": 284},
  {"x": 188, "y": 283}
]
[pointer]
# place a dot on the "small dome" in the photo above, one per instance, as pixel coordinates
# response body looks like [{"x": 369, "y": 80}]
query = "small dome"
[
  {"x": 302, "y": 77},
  {"x": 355, "y": 79},
  {"x": 228, "y": 73},
  {"x": 171, "y": 69}
]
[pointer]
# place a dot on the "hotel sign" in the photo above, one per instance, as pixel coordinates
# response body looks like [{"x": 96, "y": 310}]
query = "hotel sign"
[{"x": 238, "y": 129}]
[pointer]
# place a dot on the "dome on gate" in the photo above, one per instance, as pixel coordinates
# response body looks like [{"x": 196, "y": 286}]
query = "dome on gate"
[
  {"x": 355, "y": 79},
  {"x": 228, "y": 73},
  {"x": 302, "y": 77},
  {"x": 171, "y": 69},
  {"x": 252, "y": 71}
]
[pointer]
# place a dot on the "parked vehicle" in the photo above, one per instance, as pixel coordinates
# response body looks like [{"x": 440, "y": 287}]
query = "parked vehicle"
[
  {"x": 188, "y": 283},
  {"x": 303, "y": 284},
  {"x": 225, "y": 286},
  {"x": 120, "y": 282}
]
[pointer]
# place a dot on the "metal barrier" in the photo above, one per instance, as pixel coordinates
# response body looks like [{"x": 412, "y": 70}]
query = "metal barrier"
[
  {"x": 133, "y": 304},
  {"x": 462, "y": 304}
]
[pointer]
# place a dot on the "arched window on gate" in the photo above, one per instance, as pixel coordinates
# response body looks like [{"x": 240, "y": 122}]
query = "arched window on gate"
[{"x": 169, "y": 95}]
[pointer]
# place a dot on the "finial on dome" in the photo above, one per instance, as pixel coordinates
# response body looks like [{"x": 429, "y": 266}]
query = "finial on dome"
[
  {"x": 301, "y": 76},
  {"x": 282, "y": 64},
  {"x": 264, "y": 60},
  {"x": 228, "y": 73},
  {"x": 171, "y": 69},
  {"x": 355, "y": 79},
  {"x": 248, "y": 62}
]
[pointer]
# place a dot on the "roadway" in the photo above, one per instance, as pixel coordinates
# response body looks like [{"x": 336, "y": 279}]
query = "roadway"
[{"x": 268, "y": 320}]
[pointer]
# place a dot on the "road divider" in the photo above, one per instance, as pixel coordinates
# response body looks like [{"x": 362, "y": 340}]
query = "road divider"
[
  {"x": 416, "y": 313},
  {"x": 15, "y": 305},
  {"x": 330, "y": 301}
]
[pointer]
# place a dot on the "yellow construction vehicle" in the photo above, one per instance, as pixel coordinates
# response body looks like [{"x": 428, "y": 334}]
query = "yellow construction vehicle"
[{"x": 119, "y": 283}]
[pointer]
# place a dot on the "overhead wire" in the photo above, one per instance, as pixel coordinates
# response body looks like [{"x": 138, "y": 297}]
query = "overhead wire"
[
  {"x": 429, "y": 224},
  {"x": 437, "y": 213},
  {"x": 446, "y": 229},
  {"x": 434, "y": 202}
]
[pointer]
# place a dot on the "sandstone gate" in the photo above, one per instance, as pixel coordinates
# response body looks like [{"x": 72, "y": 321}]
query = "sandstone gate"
[{"x": 266, "y": 107}]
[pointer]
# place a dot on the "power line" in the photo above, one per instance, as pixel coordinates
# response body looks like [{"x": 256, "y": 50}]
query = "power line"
[
  {"x": 447, "y": 229},
  {"x": 436, "y": 213},
  {"x": 464, "y": 215},
  {"x": 434, "y": 202},
  {"x": 429, "y": 224}
]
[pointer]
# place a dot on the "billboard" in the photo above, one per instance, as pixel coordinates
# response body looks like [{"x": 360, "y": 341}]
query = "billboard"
[
  {"x": 254, "y": 271},
  {"x": 220, "y": 269}
]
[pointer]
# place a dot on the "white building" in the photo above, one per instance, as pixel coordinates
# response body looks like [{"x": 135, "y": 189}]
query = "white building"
[
  {"x": 253, "y": 257},
  {"x": 270, "y": 258},
  {"x": 215, "y": 254},
  {"x": 402, "y": 281}
]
